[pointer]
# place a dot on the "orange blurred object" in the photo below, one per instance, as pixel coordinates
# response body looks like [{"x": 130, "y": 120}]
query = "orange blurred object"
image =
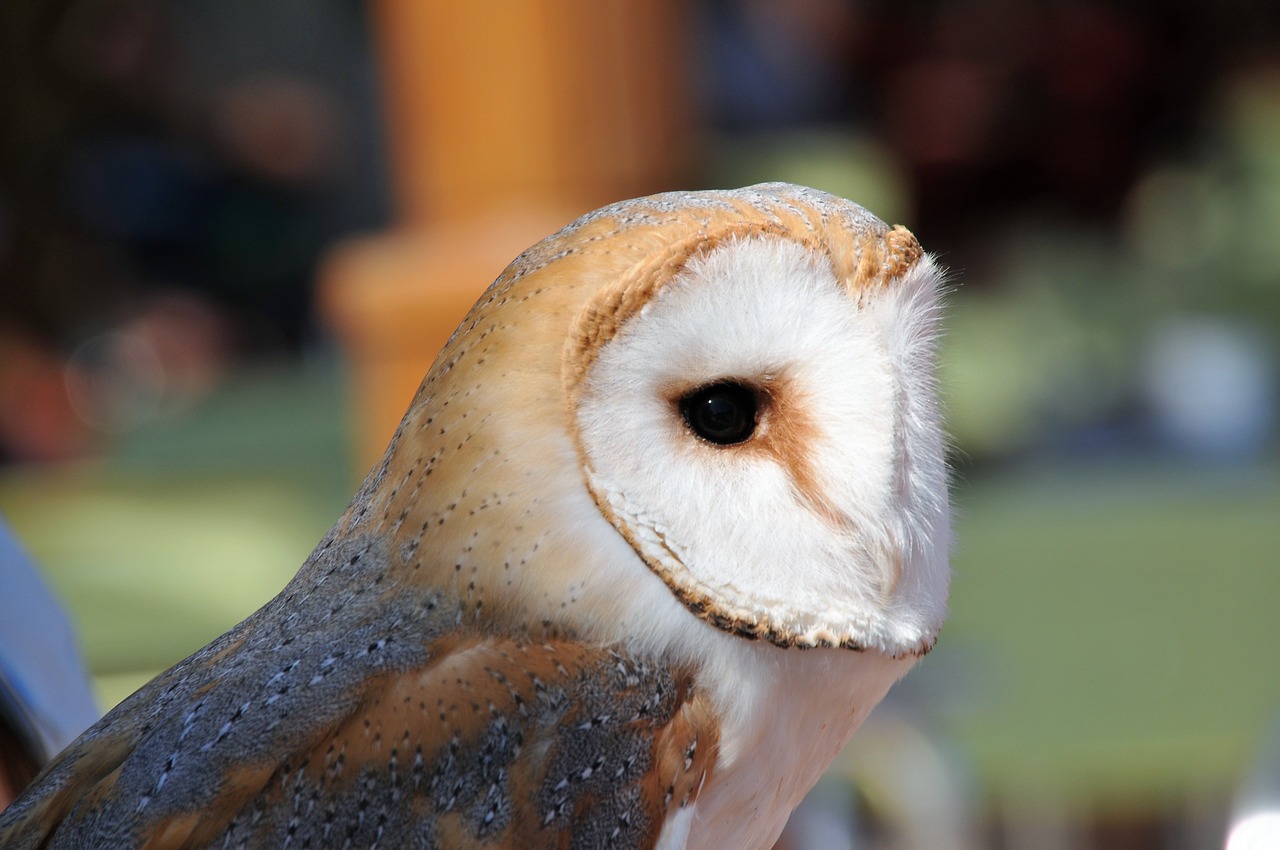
[
  {"x": 37, "y": 421},
  {"x": 503, "y": 128},
  {"x": 576, "y": 101}
]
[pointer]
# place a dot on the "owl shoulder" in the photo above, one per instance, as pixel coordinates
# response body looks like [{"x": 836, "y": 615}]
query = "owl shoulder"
[{"x": 493, "y": 741}]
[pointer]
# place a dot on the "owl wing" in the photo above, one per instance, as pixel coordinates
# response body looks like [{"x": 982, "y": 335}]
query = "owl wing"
[{"x": 496, "y": 743}]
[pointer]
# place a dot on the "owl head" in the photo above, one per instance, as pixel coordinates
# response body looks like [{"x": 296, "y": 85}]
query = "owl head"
[{"x": 713, "y": 407}]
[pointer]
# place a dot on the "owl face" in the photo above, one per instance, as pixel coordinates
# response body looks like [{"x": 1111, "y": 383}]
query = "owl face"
[
  {"x": 763, "y": 434},
  {"x": 718, "y": 404}
]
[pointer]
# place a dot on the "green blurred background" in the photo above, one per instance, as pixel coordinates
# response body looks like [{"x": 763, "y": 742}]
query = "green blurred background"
[{"x": 178, "y": 420}]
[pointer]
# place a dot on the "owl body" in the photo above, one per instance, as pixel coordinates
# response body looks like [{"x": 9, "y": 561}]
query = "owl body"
[{"x": 665, "y": 520}]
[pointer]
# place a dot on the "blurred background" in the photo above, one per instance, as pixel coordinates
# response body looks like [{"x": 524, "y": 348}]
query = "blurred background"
[{"x": 234, "y": 234}]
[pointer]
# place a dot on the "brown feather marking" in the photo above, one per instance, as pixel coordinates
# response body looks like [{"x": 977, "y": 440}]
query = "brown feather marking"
[
  {"x": 173, "y": 833},
  {"x": 500, "y": 744},
  {"x": 902, "y": 251},
  {"x": 790, "y": 436},
  {"x": 200, "y": 828},
  {"x": 88, "y": 774},
  {"x": 609, "y": 310},
  {"x": 687, "y": 748}
]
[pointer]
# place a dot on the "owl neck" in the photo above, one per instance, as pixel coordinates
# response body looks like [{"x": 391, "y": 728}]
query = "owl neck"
[{"x": 787, "y": 713}]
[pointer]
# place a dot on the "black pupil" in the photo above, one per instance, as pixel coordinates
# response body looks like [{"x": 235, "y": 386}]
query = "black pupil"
[{"x": 723, "y": 414}]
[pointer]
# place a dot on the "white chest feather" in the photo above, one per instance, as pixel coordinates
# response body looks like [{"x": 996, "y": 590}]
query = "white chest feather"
[{"x": 792, "y": 713}]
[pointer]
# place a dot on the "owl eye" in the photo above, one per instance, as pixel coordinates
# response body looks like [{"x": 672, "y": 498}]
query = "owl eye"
[{"x": 722, "y": 413}]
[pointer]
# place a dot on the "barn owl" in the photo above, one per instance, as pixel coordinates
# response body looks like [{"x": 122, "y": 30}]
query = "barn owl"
[{"x": 664, "y": 521}]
